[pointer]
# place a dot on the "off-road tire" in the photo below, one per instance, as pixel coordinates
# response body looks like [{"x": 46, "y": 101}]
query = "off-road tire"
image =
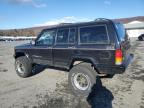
[
  {"x": 87, "y": 70},
  {"x": 27, "y": 67}
]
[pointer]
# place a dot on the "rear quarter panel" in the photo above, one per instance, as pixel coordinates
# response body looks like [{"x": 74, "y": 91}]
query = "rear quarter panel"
[{"x": 103, "y": 54}]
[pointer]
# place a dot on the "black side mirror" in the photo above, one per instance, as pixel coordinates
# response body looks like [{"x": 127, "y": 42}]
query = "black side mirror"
[{"x": 32, "y": 42}]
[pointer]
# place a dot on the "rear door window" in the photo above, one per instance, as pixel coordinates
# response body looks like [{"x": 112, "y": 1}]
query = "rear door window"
[
  {"x": 93, "y": 35},
  {"x": 62, "y": 36}
]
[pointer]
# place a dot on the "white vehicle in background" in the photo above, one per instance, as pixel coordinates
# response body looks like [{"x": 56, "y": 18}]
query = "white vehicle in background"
[{"x": 18, "y": 38}]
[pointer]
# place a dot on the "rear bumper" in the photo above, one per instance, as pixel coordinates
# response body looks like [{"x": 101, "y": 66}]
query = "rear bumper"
[{"x": 116, "y": 69}]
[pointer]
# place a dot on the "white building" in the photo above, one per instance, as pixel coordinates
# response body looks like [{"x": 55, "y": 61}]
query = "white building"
[{"x": 134, "y": 28}]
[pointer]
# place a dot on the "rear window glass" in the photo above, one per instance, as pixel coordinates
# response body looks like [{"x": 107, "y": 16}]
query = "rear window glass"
[
  {"x": 93, "y": 35},
  {"x": 121, "y": 31}
]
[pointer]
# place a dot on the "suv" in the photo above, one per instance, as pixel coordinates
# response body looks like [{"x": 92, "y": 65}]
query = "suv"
[{"x": 86, "y": 50}]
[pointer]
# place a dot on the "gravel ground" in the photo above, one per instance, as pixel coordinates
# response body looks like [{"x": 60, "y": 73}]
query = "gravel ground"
[{"x": 49, "y": 88}]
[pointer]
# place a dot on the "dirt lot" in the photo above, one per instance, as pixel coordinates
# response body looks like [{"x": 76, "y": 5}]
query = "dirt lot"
[{"x": 49, "y": 88}]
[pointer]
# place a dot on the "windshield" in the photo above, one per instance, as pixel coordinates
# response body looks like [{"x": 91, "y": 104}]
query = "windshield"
[{"x": 121, "y": 31}]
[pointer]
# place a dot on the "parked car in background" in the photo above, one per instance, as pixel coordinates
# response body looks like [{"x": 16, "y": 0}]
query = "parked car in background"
[
  {"x": 141, "y": 37},
  {"x": 2, "y": 39}
]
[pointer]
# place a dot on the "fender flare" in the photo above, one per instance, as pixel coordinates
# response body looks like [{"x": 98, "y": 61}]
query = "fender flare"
[
  {"x": 21, "y": 53},
  {"x": 83, "y": 59}
]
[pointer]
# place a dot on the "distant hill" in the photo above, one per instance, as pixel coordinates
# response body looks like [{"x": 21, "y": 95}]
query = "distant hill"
[
  {"x": 128, "y": 20},
  {"x": 34, "y": 31},
  {"x": 18, "y": 32}
]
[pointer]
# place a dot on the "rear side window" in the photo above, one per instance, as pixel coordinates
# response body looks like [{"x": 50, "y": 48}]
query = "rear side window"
[
  {"x": 93, "y": 35},
  {"x": 121, "y": 31},
  {"x": 62, "y": 36}
]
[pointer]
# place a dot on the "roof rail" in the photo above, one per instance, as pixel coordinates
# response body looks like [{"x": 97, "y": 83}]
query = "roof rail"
[
  {"x": 65, "y": 23},
  {"x": 102, "y": 19}
]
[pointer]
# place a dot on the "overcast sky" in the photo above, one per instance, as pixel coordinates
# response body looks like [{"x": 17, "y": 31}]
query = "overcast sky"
[{"x": 29, "y": 13}]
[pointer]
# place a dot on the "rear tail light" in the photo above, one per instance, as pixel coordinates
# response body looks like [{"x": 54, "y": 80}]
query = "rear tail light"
[{"x": 118, "y": 57}]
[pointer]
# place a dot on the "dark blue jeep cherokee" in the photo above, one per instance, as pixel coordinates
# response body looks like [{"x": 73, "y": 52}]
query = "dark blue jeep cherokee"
[{"x": 86, "y": 50}]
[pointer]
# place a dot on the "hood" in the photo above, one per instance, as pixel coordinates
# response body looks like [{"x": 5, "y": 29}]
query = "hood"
[{"x": 24, "y": 46}]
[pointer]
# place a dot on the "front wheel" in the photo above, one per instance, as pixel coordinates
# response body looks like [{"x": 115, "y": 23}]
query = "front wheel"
[
  {"x": 23, "y": 67},
  {"x": 142, "y": 38},
  {"x": 81, "y": 78}
]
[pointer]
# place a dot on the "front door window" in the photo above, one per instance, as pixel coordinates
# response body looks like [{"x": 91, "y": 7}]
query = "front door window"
[{"x": 46, "y": 38}]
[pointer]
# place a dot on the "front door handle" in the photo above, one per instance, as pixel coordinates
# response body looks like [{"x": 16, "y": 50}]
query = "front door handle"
[{"x": 72, "y": 47}]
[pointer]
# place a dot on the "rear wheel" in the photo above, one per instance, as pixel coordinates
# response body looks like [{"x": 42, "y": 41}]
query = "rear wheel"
[
  {"x": 82, "y": 77},
  {"x": 23, "y": 67}
]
